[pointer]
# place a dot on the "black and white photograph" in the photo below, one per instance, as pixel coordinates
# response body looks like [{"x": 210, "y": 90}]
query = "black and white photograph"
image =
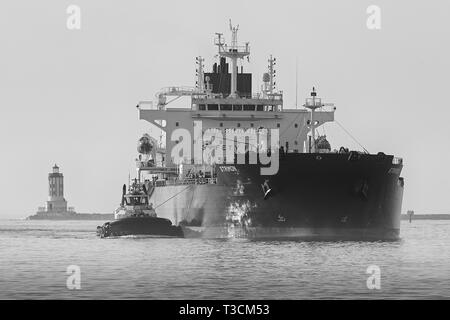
[{"x": 230, "y": 152}]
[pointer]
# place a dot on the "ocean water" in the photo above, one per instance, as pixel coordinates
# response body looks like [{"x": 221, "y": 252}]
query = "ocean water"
[{"x": 35, "y": 256}]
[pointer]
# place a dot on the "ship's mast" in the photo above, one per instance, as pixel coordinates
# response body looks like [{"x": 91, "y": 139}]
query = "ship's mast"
[
  {"x": 271, "y": 75},
  {"x": 313, "y": 103},
  {"x": 234, "y": 52},
  {"x": 200, "y": 84}
]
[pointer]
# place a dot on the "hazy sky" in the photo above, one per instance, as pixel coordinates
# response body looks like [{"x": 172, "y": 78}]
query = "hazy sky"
[{"x": 69, "y": 96}]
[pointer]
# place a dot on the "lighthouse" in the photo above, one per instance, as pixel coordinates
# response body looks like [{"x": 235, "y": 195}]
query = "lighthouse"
[
  {"x": 56, "y": 202},
  {"x": 56, "y": 206}
]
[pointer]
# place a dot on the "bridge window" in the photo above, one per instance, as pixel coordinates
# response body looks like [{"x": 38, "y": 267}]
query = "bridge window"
[
  {"x": 213, "y": 107},
  {"x": 249, "y": 107},
  {"x": 201, "y": 107},
  {"x": 278, "y": 125},
  {"x": 176, "y": 124},
  {"x": 237, "y": 107},
  {"x": 226, "y": 107},
  {"x": 296, "y": 125},
  {"x": 260, "y": 107},
  {"x": 238, "y": 125},
  {"x": 221, "y": 124},
  {"x": 251, "y": 125}
]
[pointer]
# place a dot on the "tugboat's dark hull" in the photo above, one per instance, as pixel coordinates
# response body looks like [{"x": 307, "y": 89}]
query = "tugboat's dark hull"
[
  {"x": 151, "y": 226},
  {"x": 313, "y": 196}
]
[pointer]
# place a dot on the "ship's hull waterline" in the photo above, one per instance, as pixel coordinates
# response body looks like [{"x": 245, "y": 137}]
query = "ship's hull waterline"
[{"x": 313, "y": 197}]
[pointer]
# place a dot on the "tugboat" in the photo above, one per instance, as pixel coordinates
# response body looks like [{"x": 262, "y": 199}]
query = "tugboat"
[{"x": 136, "y": 216}]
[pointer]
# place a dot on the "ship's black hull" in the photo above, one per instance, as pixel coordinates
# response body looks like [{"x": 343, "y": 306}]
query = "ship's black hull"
[
  {"x": 313, "y": 196},
  {"x": 149, "y": 226}
]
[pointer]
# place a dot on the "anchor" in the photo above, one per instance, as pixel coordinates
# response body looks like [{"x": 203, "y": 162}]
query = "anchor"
[{"x": 266, "y": 188}]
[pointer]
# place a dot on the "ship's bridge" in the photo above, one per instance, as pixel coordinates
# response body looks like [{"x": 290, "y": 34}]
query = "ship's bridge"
[
  {"x": 224, "y": 99},
  {"x": 257, "y": 102}
]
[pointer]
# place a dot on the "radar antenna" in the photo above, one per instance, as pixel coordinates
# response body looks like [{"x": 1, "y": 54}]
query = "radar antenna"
[{"x": 234, "y": 31}]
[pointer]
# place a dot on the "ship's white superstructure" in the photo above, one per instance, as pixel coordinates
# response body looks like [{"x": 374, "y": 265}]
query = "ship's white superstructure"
[{"x": 224, "y": 100}]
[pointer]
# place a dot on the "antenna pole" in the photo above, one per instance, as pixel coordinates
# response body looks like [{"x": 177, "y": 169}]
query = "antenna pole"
[
  {"x": 313, "y": 127},
  {"x": 271, "y": 74},
  {"x": 296, "y": 83},
  {"x": 200, "y": 74}
]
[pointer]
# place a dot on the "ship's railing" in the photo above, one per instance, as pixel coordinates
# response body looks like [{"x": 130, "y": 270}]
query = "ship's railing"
[
  {"x": 240, "y": 49},
  {"x": 313, "y": 103},
  {"x": 397, "y": 161},
  {"x": 275, "y": 96},
  {"x": 147, "y": 105},
  {"x": 255, "y": 96},
  {"x": 180, "y": 90},
  {"x": 189, "y": 181},
  {"x": 208, "y": 96},
  {"x": 170, "y": 170}
]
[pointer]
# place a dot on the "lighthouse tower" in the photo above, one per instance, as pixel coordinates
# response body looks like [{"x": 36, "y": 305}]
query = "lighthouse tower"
[{"x": 56, "y": 202}]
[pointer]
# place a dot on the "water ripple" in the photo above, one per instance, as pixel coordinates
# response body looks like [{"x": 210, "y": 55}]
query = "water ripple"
[{"x": 35, "y": 256}]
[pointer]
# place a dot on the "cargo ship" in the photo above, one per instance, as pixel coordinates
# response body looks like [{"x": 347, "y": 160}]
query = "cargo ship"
[{"x": 237, "y": 164}]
